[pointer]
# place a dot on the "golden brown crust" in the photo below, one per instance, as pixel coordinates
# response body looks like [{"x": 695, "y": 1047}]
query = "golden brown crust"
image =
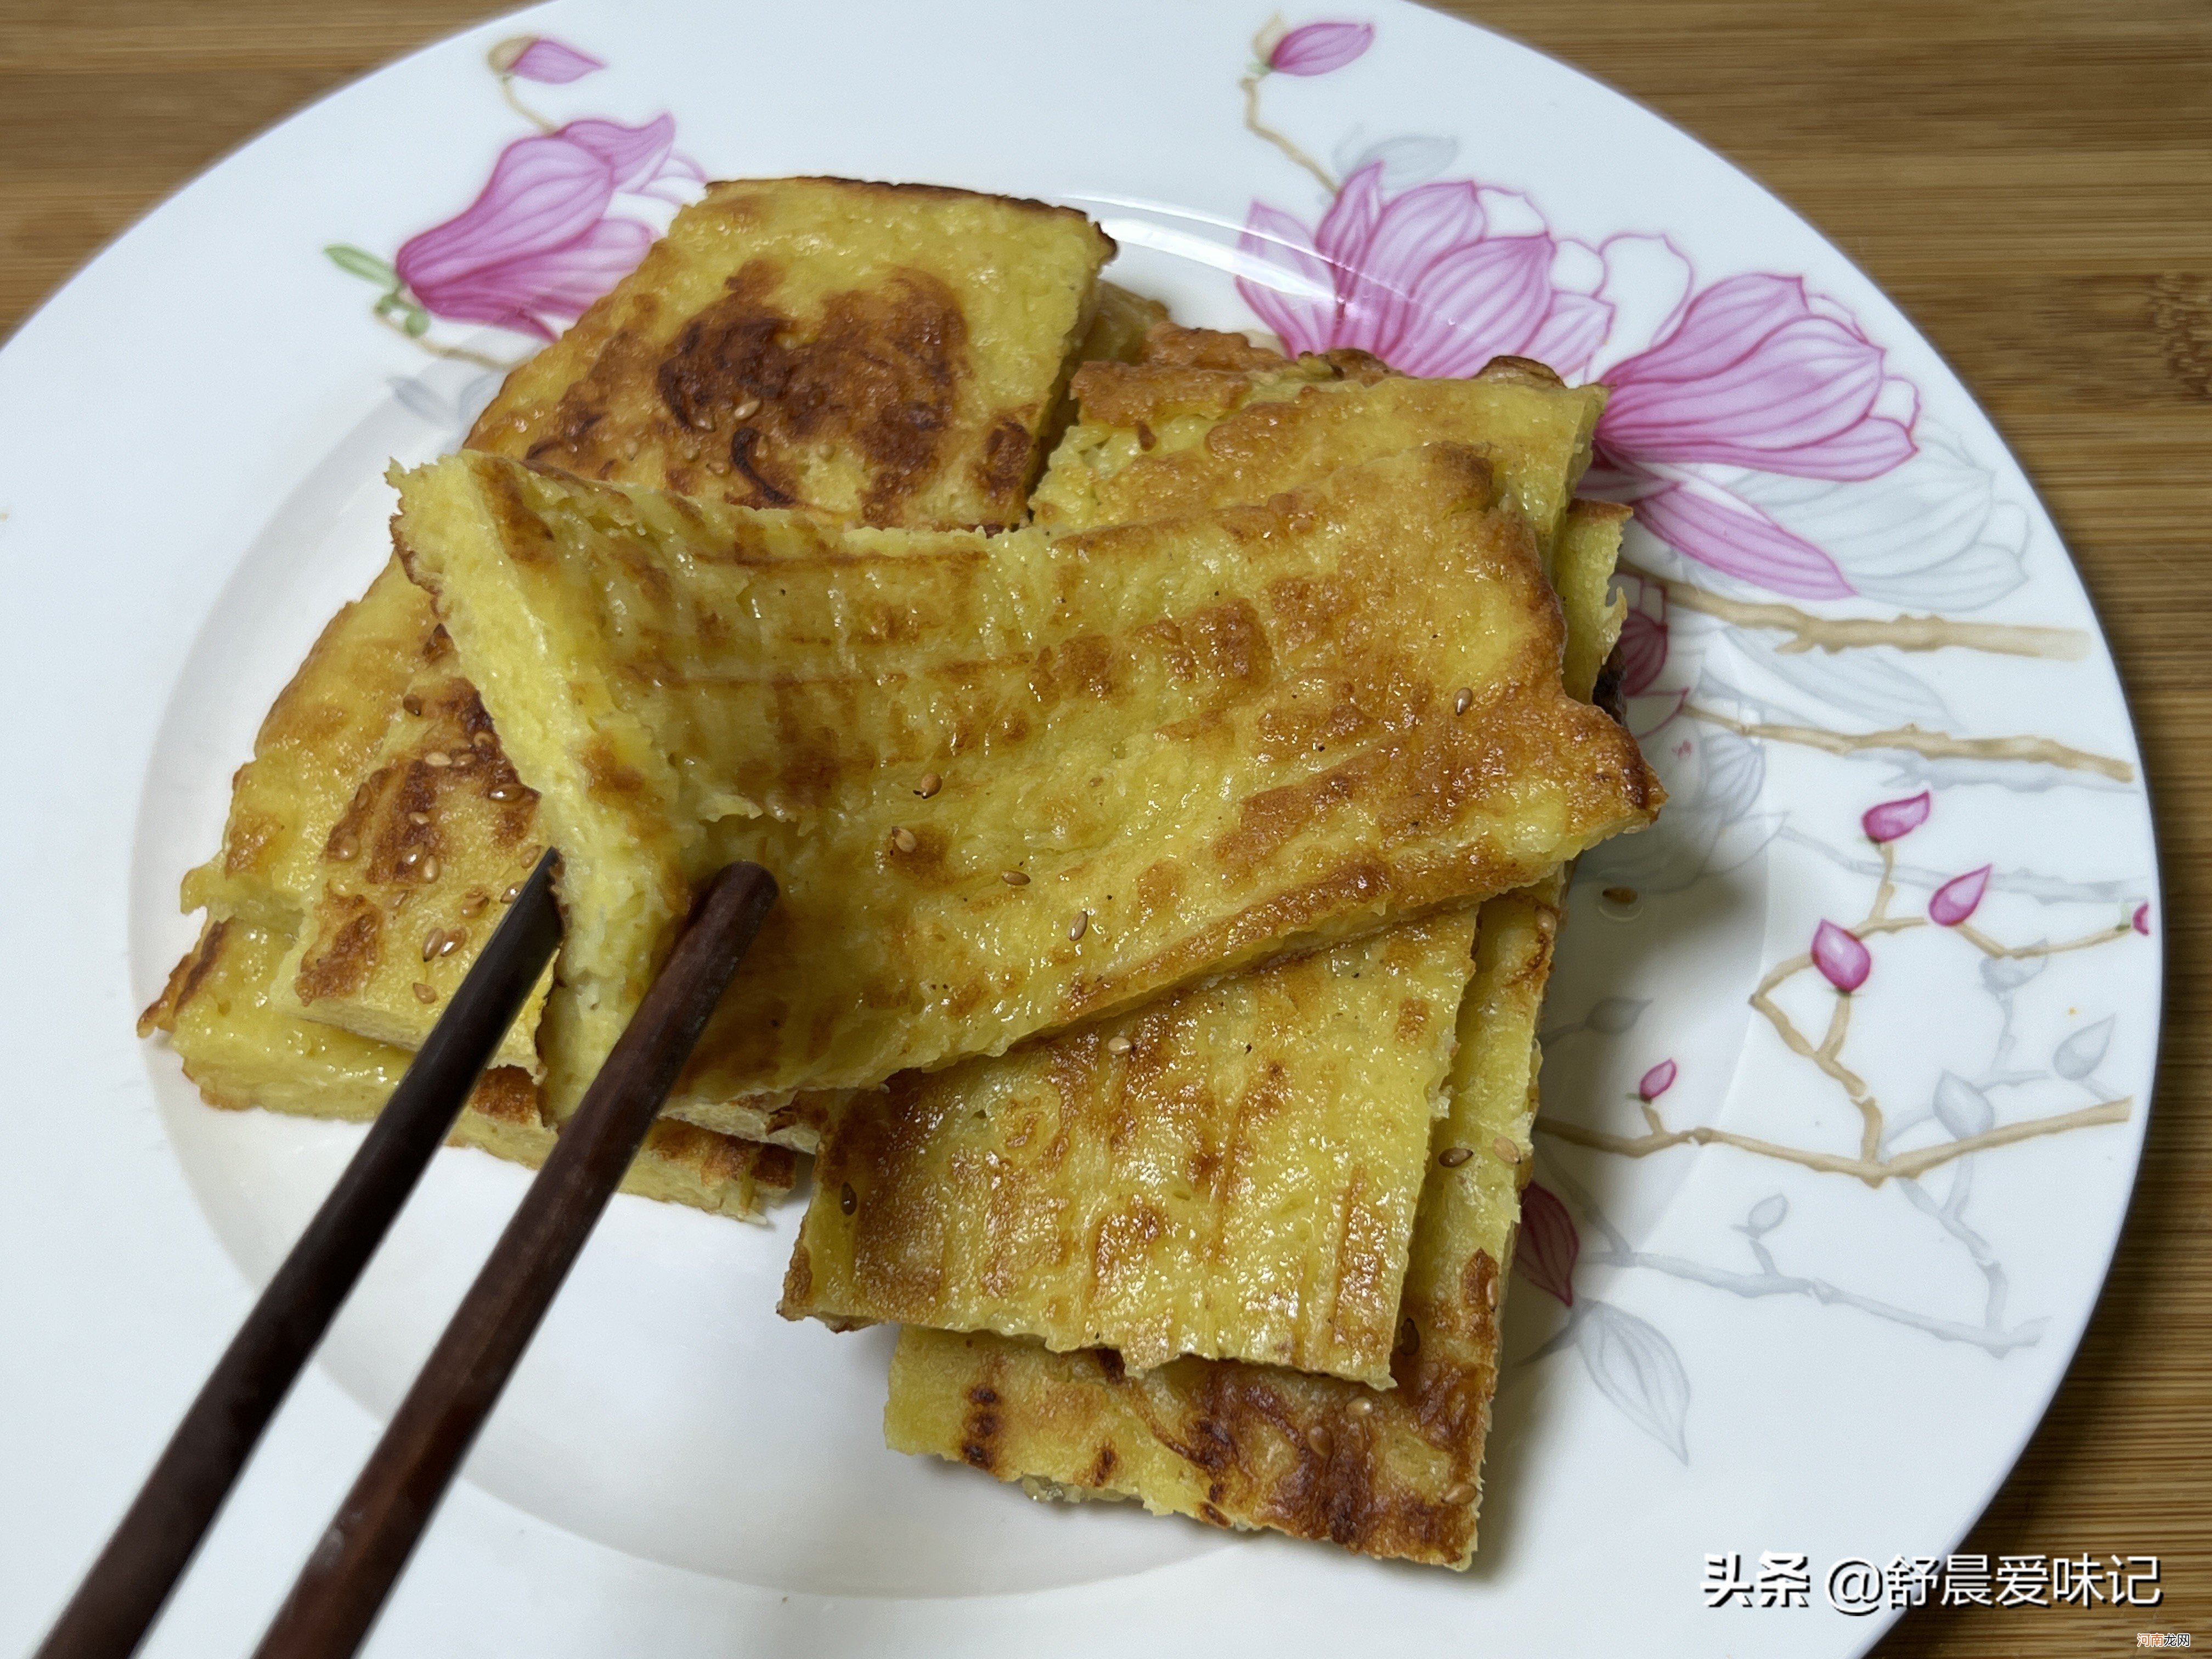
[
  {"x": 1172, "y": 346},
  {"x": 1096, "y": 707},
  {"x": 313, "y": 746},
  {"x": 409, "y": 882},
  {"x": 184, "y": 980},
  {"x": 886, "y": 352},
  {"x": 1156, "y": 440},
  {"x": 1230, "y": 1170},
  {"x": 1386, "y": 1472},
  {"x": 242, "y": 1050}
]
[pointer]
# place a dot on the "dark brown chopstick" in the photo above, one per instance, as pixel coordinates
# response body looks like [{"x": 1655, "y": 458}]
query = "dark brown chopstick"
[
  {"x": 124, "y": 1592},
  {"x": 355, "y": 1565}
]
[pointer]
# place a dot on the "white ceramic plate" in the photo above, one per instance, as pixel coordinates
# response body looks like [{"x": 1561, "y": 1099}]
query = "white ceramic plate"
[{"x": 1802, "y": 1270}]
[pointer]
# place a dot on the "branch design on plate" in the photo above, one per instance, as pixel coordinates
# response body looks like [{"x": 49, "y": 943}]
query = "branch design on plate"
[
  {"x": 1805, "y": 535},
  {"x": 1892, "y": 1148},
  {"x": 566, "y": 213}
]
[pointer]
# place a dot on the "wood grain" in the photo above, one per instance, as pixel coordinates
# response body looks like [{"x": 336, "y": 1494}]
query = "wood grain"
[{"x": 2032, "y": 182}]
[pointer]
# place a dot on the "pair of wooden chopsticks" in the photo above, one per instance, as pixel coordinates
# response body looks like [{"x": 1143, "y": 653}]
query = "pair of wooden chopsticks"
[{"x": 362, "y": 1554}]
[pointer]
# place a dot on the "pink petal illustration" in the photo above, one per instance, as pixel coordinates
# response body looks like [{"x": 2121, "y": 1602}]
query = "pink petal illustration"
[
  {"x": 1317, "y": 48},
  {"x": 1342, "y": 235},
  {"x": 1656, "y": 1081},
  {"x": 1893, "y": 818},
  {"x": 1752, "y": 375},
  {"x": 1840, "y": 957},
  {"x": 1436, "y": 281},
  {"x": 1479, "y": 302},
  {"x": 1958, "y": 898},
  {"x": 537, "y": 244},
  {"x": 1571, "y": 334},
  {"x": 1303, "y": 311},
  {"x": 633, "y": 156},
  {"x": 1643, "y": 652},
  {"x": 548, "y": 61},
  {"x": 1732, "y": 536},
  {"x": 2141, "y": 921},
  {"x": 1549, "y": 1243}
]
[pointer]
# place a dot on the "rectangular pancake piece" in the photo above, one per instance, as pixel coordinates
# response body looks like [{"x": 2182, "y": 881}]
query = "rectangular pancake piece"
[
  {"x": 1390, "y": 1473},
  {"x": 890, "y": 354},
  {"x": 315, "y": 747},
  {"x": 1218, "y": 739},
  {"x": 1234, "y": 1444},
  {"x": 242, "y": 1050},
  {"x": 1228, "y": 1171},
  {"x": 414, "y": 874},
  {"x": 377, "y": 821},
  {"x": 1162, "y": 437}
]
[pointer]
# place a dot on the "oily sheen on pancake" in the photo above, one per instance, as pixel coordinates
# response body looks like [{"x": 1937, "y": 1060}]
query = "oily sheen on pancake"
[
  {"x": 241, "y": 1049},
  {"x": 1389, "y": 1472},
  {"x": 1218, "y": 738},
  {"x": 1228, "y": 1171},
  {"x": 340, "y": 768},
  {"x": 1247, "y": 1446}
]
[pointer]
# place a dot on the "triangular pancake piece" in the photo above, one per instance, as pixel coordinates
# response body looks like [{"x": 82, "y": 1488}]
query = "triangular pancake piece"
[{"x": 1216, "y": 738}]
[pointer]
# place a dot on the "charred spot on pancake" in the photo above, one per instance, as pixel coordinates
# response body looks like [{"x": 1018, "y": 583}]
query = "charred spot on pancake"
[
  {"x": 344, "y": 952},
  {"x": 1009, "y": 450},
  {"x": 877, "y": 374},
  {"x": 185, "y": 981}
]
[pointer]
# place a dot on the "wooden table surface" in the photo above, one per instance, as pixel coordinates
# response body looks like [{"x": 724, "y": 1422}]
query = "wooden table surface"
[{"x": 2031, "y": 181}]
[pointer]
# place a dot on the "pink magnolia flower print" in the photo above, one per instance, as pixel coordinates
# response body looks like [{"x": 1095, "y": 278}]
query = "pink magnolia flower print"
[
  {"x": 1318, "y": 48},
  {"x": 540, "y": 243},
  {"x": 2141, "y": 920},
  {"x": 1958, "y": 897},
  {"x": 1754, "y": 372},
  {"x": 1843, "y": 962},
  {"x": 541, "y": 58},
  {"x": 1752, "y": 375},
  {"x": 1656, "y": 1081},
  {"x": 1436, "y": 281},
  {"x": 1893, "y": 818},
  {"x": 1548, "y": 1244}
]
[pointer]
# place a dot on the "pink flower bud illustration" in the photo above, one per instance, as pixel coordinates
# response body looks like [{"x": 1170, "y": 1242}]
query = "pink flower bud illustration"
[
  {"x": 1549, "y": 1243},
  {"x": 1317, "y": 48},
  {"x": 1958, "y": 898},
  {"x": 1656, "y": 1081},
  {"x": 1893, "y": 818},
  {"x": 2142, "y": 922},
  {"x": 1840, "y": 957},
  {"x": 536, "y": 58}
]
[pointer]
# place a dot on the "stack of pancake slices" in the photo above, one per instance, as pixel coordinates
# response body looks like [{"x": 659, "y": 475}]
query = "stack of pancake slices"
[{"x": 1170, "y": 754}]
